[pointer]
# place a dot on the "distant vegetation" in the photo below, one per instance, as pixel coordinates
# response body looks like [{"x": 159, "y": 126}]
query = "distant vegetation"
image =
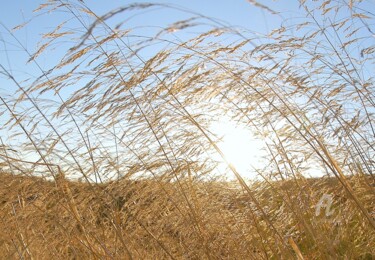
[{"x": 109, "y": 153}]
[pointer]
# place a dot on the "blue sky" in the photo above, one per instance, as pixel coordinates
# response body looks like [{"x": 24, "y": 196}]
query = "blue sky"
[
  {"x": 238, "y": 13},
  {"x": 235, "y": 13}
]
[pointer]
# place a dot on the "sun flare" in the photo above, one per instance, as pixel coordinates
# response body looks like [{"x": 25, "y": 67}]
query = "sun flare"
[{"x": 240, "y": 147}]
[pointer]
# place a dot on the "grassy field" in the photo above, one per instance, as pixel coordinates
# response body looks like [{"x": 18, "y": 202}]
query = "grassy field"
[
  {"x": 108, "y": 149},
  {"x": 153, "y": 220}
]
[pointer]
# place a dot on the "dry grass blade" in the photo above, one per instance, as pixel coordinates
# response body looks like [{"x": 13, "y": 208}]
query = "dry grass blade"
[{"x": 112, "y": 152}]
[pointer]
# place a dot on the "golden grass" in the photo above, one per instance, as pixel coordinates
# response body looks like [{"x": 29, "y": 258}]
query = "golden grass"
[
  {"x": 120, "y": 126},
  {"x": 137, "y": 219}
]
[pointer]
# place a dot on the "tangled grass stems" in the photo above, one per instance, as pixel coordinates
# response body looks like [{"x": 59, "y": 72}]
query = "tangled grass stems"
[{"x": 146, "y": 119}]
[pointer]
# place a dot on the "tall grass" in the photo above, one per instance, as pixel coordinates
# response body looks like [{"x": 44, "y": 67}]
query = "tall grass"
[{"x": 121, "y": 126}]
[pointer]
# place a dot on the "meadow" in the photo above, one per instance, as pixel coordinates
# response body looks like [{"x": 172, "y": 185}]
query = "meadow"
[{"x": 192, "y": 140}]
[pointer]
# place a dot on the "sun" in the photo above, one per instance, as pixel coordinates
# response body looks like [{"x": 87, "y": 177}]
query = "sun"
[{"x": 240, "y": 147}]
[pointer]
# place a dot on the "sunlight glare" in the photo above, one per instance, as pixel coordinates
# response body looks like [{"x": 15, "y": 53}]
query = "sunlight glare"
[{"x": 240, "y": 147}]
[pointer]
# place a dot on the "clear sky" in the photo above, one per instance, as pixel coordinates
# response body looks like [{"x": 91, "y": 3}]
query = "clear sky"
[
  {"x": 238, "y": 13},
  {"x": 234, "y": 13}
]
